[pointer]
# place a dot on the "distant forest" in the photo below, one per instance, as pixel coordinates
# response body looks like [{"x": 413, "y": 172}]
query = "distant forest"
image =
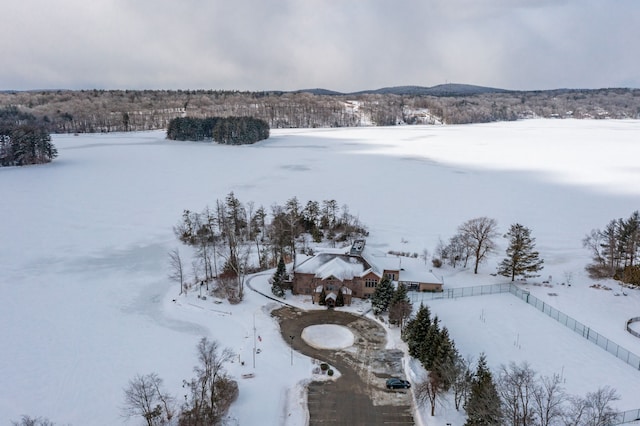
[{"x": 83, "y": 111}]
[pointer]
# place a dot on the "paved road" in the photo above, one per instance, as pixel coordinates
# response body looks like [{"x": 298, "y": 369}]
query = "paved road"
[{"x": 359, "y": 396}]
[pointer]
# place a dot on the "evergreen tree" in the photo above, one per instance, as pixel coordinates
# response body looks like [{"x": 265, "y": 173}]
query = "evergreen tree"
[
  {"x": 382, "y": 296},
  {"x": 23, "y": 140},
  {"x": 415, "y": 333},
  {"x": 483, "y": 405},
  {"x": 522, "y": 258},
  {"x": 430, "y": 344},
  {"x": 323, "y": 297},
  {"x": 444, "y": 359},
  {"x": 400, "y": 306},
  {"x": 340, "y": 298},
  {"x": 278, "y": 279}
]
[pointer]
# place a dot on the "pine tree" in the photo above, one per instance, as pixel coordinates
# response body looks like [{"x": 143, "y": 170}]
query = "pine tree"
[
  {"x": 444, "y": 359},
  {"x": 430, "y": 344},
  {"x": 415, "y": 333},
  {"x": 278, "y": 279},
  {"x": 483, "y": 405},
  {"x": 382, "y": 296},
  {"x": 340, "y": 298},
  {"x": 522, "y": 258}
]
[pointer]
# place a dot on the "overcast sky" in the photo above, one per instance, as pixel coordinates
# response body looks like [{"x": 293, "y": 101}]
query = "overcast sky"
[{"x": 343, "y": 45}]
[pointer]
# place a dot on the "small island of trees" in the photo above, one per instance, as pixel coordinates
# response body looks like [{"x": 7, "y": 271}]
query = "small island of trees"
[
  {"x": 225, "y": 130},
  {"x": 23, "y": 140}
]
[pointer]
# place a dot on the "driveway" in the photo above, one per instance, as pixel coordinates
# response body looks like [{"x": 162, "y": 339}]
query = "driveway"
[{"x": 359, "y": 396}]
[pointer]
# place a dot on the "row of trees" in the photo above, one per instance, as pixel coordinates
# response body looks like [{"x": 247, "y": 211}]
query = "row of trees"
[
  {"x": 528, "y": 399},
  {"x": 476, "y": 239},
  {"x": 432, "y": 346},
  {"x": 236, "y": 238},
  {"x": 209, "y": 394},
  {"x": 225, "y": 130},
  {"x": 616, "y": 250},
  {"x": 23, "y": 141}
]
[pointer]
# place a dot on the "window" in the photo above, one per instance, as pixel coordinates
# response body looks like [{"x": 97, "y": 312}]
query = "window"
[{"x": 370, "y": 283}]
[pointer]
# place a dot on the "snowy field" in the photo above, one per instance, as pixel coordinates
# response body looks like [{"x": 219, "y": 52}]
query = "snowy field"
[{"x": 84, "y": 242}]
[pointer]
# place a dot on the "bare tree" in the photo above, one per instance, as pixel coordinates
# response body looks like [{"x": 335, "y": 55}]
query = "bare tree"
[
  {"x": 574, "y": 412},
  {"x": 480, "y": 233},
  {"x": 458, "y": 250},
  {"x": 232, "y": 223},
  {"x": 549, "y": 400},
  {"x": 516, "y": 386},
  {"x": 598, "y": 406},
  {"x": 593, "y": 410},
  {"x": 461, "y": 383},
  {"x": 176, "y": 271},
  {"x": 145, "y": 398},
  {"x": 425, "y": 255},
  {"x": 211, "y": 391},
  {"x": 430, "y": 390},
  {"x": 198, "y": 230},
  {"x": 32, "y": 421}
]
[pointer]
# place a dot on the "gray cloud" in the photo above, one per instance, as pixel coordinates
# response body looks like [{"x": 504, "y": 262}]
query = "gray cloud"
[{"x": 340, "y": 45}]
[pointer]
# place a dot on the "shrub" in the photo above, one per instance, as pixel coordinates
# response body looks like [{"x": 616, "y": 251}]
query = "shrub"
[
  {"x": 330, "y": 372},
  {"x": 436, "y": 262},
  {"x": 631, "y": 275},
  {"x": 324, "y": 366}
]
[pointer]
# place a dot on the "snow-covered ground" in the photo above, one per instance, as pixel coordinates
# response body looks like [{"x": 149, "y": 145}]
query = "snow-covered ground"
[{"x": 84, "y": 242}]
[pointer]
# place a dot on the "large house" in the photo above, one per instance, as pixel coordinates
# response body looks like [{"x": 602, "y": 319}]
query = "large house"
[{"x": 356, "y": 272}]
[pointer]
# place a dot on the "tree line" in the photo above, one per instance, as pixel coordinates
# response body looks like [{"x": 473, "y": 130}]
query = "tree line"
[
  {"x": 23, "y": 141},
  {"x": 88, "y": 111},
  {"x": 225, "y": 130}
]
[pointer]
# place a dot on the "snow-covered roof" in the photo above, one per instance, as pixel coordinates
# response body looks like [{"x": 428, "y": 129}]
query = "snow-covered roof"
[
  {"x": 411, "y": 269},
  {"x": 344, "y": 267},
  {"x": 327, "y": 265}
]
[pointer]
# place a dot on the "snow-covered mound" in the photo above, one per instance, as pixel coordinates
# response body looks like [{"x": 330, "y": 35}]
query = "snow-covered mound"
[{"x": 328, "y": 336}]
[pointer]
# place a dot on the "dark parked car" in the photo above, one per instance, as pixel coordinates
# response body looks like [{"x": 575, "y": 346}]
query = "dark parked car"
[{"x": 395, "y": 383}]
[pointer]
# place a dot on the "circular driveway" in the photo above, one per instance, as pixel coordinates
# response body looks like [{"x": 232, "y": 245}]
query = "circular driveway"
[{"x": 359, "y": 395}]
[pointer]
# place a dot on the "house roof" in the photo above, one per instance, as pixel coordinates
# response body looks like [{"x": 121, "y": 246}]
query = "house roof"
[
  {"x": 326, "y": 265},
  {"x": 338, "y": 264},
  {"x": 411, "y": 269}
]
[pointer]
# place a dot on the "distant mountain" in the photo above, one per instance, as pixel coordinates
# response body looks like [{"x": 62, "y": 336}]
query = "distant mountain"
[
  {"x": 449, "y": 89},
  {"x": 319, "y": 91}
]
